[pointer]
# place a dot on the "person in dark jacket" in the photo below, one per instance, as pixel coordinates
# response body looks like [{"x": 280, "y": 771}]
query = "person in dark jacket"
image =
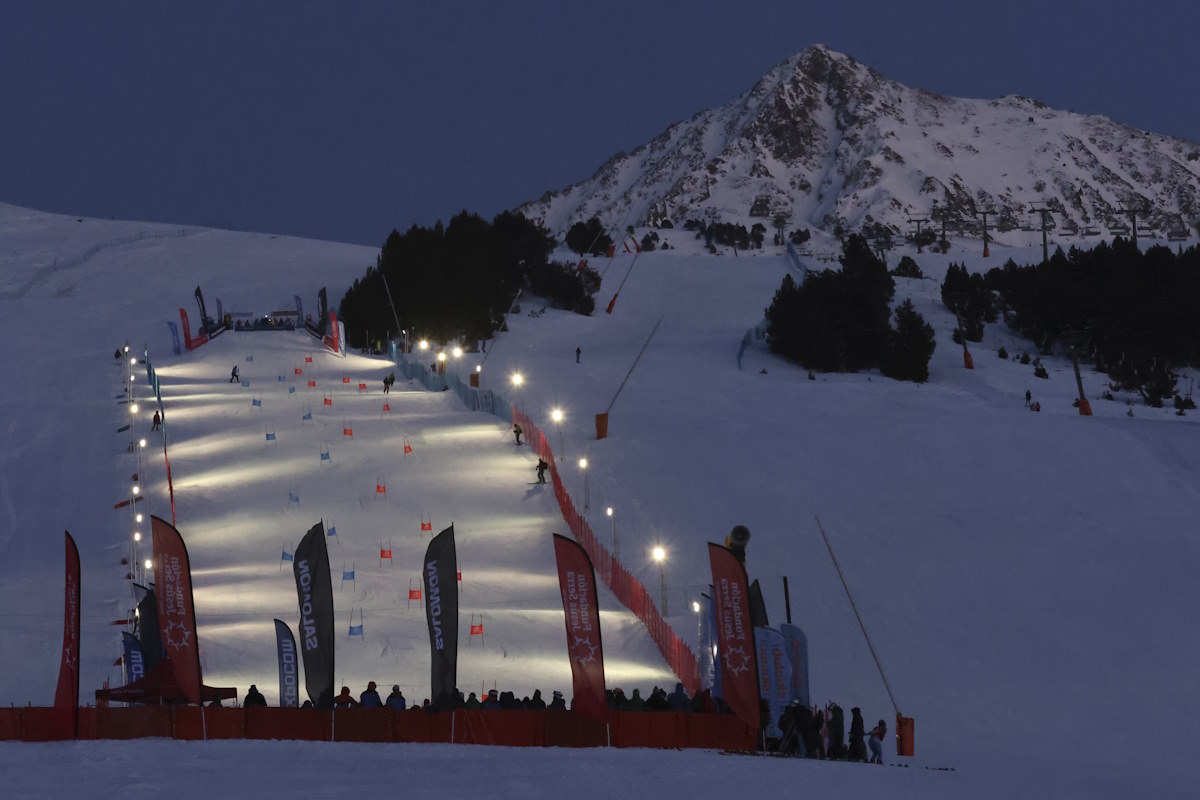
[
  {"x": 156, "y": 423},
  {"x": 345, "y": 699},
  {"x": 636, "y": 703},
  {"x": 536, "y": 702},
  {"x": 857, "y": 750},
  {"x": 472, "y": 701},
  {"x": 542, "y": 466},
  {"x": 517, "y": 432},
  {"x": 679, "y": 700},
  {"x": 557, "y": 703},
  {"x": 395, "y": 700},
  {"x": 370, "y": 698},
  {"x": 789, "y": 725},
  {"x": 492, "y": 700},
  {"x": 836, "y": 748},
  {"x": 657, "y": 701},
  {"x": 233, "y": 376},
  {"x": 254, "y": 698}
]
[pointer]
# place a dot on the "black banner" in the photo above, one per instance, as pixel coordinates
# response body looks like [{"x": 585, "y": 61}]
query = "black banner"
[
  {"x": 314, "y": 589},
  {"x": 204, "y": 320},
  {"x": 322, "y": 311},
  {"x": 147, "y": 630},
  {"x": 758, "y": 609},
  {"x": 440, "y": 575},
  {"x": 289, "y": 674}
]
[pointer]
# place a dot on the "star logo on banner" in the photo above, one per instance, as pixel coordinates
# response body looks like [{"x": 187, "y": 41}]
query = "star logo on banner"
[
  {"x": 183, "y": 634},
  {"x": 68, "y": 659},
  {"x": 743, "y": 660},
  {"x": 586, "y": 642}
]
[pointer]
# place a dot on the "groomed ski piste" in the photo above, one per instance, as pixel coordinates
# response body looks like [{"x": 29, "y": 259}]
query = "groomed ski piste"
[{"x": 1028, "y": 579}]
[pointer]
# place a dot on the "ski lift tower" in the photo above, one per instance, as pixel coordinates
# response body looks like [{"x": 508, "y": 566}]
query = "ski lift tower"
[
  {"x": 957, "y": 300},
  {"x": 1133, "y": 215},
  {"x": 983, "y": 213},
  {"x": 1045, "y": 212},
  {"x": 918, "y": 221},
  {"x": 941, "y": 215}
]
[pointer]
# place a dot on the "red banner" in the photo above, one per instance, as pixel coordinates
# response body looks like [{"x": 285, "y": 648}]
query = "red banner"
[
  {"x": 577, "y": 582},
  {"x": 735, "y": 634},
  {"x": 66, "y": 696},
  {"x": 176, "y": 612}
]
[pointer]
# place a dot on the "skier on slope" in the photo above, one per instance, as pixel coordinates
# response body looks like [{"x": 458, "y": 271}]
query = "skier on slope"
[
  {"x": 234, "y": 375},
  {"x": 542, "y": 466},
  {"x": 517, "y": 432}
]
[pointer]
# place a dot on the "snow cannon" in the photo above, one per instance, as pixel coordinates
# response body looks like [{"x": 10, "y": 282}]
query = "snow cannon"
[
  {"x": 904, "y": 735},
  {"x": 737, "y": 540}
]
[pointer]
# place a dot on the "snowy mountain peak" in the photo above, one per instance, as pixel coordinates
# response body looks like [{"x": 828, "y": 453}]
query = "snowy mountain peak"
[{"x": 831, "y": 143}]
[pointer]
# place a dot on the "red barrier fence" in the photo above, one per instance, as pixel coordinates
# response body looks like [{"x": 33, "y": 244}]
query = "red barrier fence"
[
  {"x": 464, "y": 726},
  {"x": 628, "y": 589}
]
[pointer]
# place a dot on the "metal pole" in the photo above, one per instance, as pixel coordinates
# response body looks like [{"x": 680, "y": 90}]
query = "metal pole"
[
  {"x": 787, "y": 600},
  {"x": 635, "y": 363},
  {"x": 390, "y": 303},
  {"x": 858, "y": 616}
]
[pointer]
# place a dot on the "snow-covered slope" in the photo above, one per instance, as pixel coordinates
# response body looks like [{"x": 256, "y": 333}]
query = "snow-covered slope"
[
  {"x": 830, "y": 142},
  {"x": 1026, "y": 578}
]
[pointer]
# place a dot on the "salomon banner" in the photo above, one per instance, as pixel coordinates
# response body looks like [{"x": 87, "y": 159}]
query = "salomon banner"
[
  {"x": 441, "y": 612},
  {"x": 289, "y": 685},
  {"x": 735, "y": 635},
  {"x": 66, "y": 696},
  {"x": 314, "y": 589},
  {"x": 577, "y": 583},
  {"x": 147, "y": 628},
  {"x": 135, "y": 661},
  {"x": 774, "y": 675},
  {"x": 176, "y": 612},
  {"x": 796, "y": 645}
]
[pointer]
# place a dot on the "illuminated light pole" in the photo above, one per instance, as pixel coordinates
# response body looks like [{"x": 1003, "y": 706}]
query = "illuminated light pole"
[
  {"x": 660, "y": 555},
  {"x": 616, "y": 544},
  {"x": 458, "y": 352},
  {"x": 586, "y": 495},
  {"x": 441, "y": 358},
  {"x": 518, "y": 380},
  {"x": 556, "y": 414},
  {"x": 423, "y": 344},
  {"x": 137, "y": 536}
]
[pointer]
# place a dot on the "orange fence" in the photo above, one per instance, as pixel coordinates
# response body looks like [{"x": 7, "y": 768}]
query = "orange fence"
[
  {"x": 464, "y": 726},
  {"x": 628, "y": 589}
]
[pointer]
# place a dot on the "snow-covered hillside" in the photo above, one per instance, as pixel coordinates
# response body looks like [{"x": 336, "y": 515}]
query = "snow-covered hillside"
[
  {"x": 829, "y": 142},
  {"x": 1027, "y": 578}
]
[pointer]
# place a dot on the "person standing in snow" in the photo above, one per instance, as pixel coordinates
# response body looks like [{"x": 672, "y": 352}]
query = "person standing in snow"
[
  {"x": 578, "y": 352},
  {"x": 233, "y": 376},
  {"x": 254, "y": 698},
  {"x": 875, "y": 740},
  {"x": 395, "y": 700},
  {"x": 857, "y": 750},
  {"x": 542, "y": 466},
  {"x": 156, "y": 423},
  {"x": 517, "y": 432}
]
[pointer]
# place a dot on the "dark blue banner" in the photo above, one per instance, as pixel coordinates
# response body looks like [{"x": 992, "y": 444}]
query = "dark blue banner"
[
  {"x": 440, "y": 576},
  {"x": 135, "y": 662},
  {"x": 289, "y": 668}
]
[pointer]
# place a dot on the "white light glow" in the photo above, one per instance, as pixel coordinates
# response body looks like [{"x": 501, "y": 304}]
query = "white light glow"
[
  {"x": 139, "y": 518},
  {"x": 583, "y": 463},
  {"x": 695, "y": 607},
  {"x": 608, "y": 511},
  {"x": 137, "y": 489},
  {"x": 441, "y": 356},
  {"x": 133, "y": 409},
  {"x": 141, "y": 442},
  {"x": 132, "y": 362},
  {"x": 423, "y": 344},
  {"x": 458, "y": 352},
  {"x": 658, "y": 554},
  {"x": 556, "y": 415},
  {"x": 149, "y": 564},
  {"x": 479, "y": 367},
  {"x": 518, "y": 379},
  {"x": 137, "y": 536}
]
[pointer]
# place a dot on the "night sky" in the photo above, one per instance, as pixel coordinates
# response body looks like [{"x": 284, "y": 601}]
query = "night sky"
[{"x": 345, "y": 120}]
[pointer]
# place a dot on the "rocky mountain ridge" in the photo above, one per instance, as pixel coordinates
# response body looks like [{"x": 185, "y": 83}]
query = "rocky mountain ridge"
[{"x": 823, "y": 141}]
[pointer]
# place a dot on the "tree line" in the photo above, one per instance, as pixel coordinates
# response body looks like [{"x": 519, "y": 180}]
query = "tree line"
[{"x": 455, "y": 282}]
